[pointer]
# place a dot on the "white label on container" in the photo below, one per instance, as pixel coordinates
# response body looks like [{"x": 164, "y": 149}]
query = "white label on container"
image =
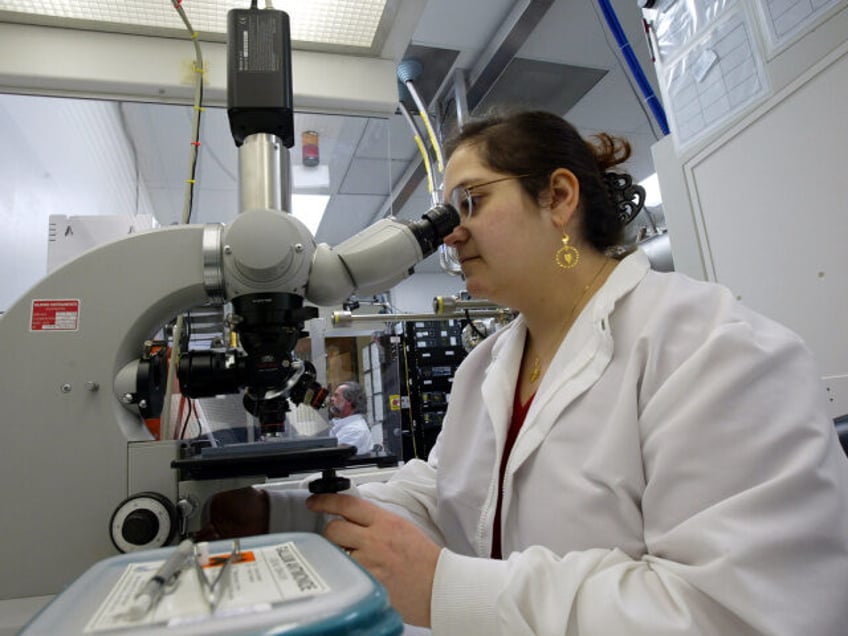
[{"x": 260, "y": 578}]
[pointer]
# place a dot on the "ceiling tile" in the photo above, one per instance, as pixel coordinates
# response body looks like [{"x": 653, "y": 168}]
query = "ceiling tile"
[
  {"x": 346, "y": 215},
  {"x": 367, "y": 176}
]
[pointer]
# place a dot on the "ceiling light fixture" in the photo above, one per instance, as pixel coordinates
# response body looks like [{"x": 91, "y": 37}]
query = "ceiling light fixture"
[
  {"x": 317, "y": 24},
  {"x": 309, "y": 209}
]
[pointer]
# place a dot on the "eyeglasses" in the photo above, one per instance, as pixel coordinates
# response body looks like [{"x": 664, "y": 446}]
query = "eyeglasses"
[{"x": 463, "y": 199}]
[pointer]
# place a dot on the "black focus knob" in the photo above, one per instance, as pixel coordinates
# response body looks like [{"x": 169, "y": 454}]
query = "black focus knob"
[
  {"x": 140, "y": 527},
  {"x": 329, "y": 482},
  {"x": 143, "y": 521}
]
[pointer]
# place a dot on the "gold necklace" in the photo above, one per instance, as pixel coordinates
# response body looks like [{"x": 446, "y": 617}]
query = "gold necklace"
[{"x": 537, "y": 363}]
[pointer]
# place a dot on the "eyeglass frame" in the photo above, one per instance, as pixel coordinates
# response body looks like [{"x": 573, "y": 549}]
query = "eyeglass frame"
[{"x": 467, "y": 193}]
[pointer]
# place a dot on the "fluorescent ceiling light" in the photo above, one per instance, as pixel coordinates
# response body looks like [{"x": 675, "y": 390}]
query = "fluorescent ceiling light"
[
  {"x": 653, "y": 197},
  {"x": 309, "y": 209},
  {"x": 354, "y": 24}
]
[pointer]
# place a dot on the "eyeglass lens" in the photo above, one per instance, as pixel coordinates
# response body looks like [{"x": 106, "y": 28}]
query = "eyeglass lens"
[
  {"x": 460, "y": 199},
  {"x": 463, "y": 200}
]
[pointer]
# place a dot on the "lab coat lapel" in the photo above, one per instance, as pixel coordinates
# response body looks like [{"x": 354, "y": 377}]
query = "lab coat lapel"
[
  {"x": 577, "y": 365},
  {"x": 501, "y": 376},
  {"x": 579, "y": 362}
]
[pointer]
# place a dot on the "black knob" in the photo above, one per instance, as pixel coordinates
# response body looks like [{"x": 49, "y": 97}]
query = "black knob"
[
  {"x": 140, "y": 527},
  {"x": 329, "y": 482}
]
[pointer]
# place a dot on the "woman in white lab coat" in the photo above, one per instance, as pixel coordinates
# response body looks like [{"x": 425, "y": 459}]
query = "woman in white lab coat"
[{"x": 636, "y": 454}]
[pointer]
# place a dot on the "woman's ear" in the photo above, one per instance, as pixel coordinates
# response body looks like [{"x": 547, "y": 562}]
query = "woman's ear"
[{"x": 565, "y": 195}]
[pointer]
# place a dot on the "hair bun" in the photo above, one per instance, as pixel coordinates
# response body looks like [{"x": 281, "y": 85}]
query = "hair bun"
[{"x": 628, "y": 199}]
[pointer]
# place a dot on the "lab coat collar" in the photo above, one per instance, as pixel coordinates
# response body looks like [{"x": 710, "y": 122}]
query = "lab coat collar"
[
  {"x": 340, "y": 422},
  {"x": 577, "y": 365}
]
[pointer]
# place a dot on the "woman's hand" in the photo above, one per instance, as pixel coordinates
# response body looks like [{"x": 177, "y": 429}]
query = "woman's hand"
[{"x": 395, "y": 551}]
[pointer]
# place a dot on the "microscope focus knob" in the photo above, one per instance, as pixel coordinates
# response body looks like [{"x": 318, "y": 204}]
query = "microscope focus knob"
[
  {"x": 140, "y": 527},
  {"x": 143, "y": 521},
  {"x": 329, "y": 482}
]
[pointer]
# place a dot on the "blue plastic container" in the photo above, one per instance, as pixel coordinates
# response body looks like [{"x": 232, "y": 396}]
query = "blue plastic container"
[{"x": 349, "y": 601}]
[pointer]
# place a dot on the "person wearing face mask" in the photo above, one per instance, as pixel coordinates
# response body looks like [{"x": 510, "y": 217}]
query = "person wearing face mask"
[
  {"x": 349, "y": 426},
  {"x": 636, "y": 453}
]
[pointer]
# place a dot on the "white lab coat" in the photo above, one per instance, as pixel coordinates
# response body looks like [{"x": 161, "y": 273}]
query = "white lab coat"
[
  {"x": 354, "y": 431},
  {"x": 676, "y": 474}
]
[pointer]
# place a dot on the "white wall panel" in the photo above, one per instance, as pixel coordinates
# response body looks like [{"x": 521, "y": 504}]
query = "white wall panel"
[
  {"x": 62, "y": 157},
  {"x": 772, "y": 203}
]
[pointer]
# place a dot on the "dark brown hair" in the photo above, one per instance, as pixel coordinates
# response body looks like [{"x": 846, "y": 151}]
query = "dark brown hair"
[{"x": 537, "y": 143}]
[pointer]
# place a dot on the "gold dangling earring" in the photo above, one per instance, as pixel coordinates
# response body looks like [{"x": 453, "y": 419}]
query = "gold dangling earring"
[{"x": 567, "y": 256}]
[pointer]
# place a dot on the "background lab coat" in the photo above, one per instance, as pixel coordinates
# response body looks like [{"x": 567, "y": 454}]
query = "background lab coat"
[
  {"x": 697, "y": 488},
  {"x": 353, "y": 430}
]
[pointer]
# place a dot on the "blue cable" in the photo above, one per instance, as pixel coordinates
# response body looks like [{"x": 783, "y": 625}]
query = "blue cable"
[{"x": 630, "y": 57}]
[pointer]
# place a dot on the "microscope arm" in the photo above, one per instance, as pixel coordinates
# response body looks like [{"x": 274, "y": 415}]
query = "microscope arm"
[
  {"x": 267, "y": 251},
  {"x": 378, "y": 257}
]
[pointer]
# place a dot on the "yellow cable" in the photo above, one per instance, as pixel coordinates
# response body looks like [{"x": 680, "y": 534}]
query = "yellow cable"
[
  {"x": 423, "y": 152},
  {"x": 422, "y": 111},
  {"x": 199, "y": 69},
  {"x": 433, "y": 142}
]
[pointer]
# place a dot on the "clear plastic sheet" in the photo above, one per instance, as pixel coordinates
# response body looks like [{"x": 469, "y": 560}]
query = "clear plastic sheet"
[
  {"x": 786, "y": 20},
  {"x": 713, "y": 80},
  {"x": 677, "y": 23}
]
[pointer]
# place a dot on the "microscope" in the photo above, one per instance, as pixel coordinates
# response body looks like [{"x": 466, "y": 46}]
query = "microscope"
[{"x": 81, "y": 473}]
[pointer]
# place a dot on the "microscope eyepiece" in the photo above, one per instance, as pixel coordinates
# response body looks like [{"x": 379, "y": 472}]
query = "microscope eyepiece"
[{"x": 435, "y": 224}]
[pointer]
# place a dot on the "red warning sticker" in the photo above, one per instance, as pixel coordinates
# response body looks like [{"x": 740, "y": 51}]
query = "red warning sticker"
[{"x": 55, "y": 315}]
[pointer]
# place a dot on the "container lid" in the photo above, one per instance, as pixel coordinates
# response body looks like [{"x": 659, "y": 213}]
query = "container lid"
[{"x": 297, "y": 584}]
